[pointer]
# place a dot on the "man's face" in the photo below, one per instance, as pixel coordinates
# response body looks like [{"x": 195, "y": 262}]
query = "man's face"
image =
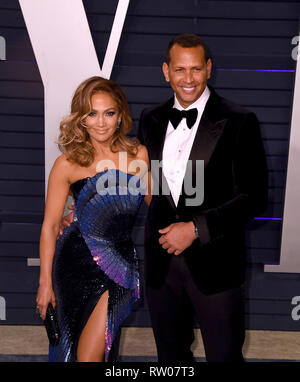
[{"x": 187, "y": 73}]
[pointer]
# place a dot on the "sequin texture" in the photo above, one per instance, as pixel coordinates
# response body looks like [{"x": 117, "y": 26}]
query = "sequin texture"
[{"x": 96, "y": 253}]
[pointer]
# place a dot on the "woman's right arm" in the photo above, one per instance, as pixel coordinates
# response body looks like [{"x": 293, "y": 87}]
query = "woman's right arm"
[{"x": 58, "y": 188}]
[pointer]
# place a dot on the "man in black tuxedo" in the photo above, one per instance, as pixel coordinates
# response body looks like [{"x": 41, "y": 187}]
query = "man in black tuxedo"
[{"x": 195, "y": 252}]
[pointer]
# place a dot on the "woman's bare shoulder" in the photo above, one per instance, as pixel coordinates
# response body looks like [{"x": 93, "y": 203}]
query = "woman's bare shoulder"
[
  {"x": 62, "y": 167},
  {"x": 142, "y": 152},
  {"x": 61, "y": 162}
]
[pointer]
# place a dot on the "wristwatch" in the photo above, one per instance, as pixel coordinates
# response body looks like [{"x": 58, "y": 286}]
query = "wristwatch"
[{"x": 196, "y": 229}]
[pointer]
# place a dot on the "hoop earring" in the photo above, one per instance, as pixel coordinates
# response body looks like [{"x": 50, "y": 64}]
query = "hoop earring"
[{"x": 119, "y": 123}]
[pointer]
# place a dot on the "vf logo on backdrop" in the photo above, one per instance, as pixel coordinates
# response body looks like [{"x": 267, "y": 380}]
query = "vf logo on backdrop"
[{"x": 2, "y": 308}]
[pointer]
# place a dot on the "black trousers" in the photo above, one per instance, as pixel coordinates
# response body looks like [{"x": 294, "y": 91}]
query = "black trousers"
[{"x": 172, "y": 311}]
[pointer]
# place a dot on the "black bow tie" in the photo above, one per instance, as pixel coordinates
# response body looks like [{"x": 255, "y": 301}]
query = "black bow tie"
[{"x": 177, "y": 115}]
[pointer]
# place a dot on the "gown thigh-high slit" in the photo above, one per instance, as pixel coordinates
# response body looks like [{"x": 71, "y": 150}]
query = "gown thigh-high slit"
[
  {"x": 91, "y": 342},
  {"x": 96, "y": 254}
]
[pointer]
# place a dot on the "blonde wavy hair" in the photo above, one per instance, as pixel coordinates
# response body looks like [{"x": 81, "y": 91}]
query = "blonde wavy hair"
[{"x": 74, "y": 140}]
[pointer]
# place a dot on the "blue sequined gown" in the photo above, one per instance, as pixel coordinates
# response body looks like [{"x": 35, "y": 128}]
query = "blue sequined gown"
[{"x": 95, "y": 254}]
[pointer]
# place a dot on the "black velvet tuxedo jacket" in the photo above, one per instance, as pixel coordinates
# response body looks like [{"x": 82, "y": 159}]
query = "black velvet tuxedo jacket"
[{"x": 228, "y": 139}]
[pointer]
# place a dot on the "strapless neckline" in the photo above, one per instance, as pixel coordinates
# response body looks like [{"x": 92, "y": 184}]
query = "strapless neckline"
[{"x": 102, "y": 172}]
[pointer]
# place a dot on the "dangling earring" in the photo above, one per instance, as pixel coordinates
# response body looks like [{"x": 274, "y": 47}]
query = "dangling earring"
[{"x": 119, "y": 123}]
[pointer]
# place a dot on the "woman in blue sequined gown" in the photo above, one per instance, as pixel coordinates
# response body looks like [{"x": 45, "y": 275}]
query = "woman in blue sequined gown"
[{"x": 91, "y": 273}]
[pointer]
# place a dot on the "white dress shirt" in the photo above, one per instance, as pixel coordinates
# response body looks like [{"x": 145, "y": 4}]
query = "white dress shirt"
[{"x": 178, "y": 144}]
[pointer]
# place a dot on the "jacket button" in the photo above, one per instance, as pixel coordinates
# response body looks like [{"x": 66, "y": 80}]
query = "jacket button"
[{"x": 177, "y": 217}]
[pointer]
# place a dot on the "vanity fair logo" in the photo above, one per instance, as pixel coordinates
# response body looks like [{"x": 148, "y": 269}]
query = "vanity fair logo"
[{"x": 2, "y": 308}]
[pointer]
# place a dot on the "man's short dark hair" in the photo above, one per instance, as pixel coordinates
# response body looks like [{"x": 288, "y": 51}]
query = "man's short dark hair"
[{"x": 187, "y": 40}]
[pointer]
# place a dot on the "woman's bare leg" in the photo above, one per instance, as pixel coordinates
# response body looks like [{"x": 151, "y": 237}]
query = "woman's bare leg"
[{"x": 91, "y": 344}]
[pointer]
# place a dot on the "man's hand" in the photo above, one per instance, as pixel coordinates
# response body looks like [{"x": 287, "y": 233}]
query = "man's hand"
[
  {"x": 177, "y": 237},
  {"x": 66, "y": 220}
]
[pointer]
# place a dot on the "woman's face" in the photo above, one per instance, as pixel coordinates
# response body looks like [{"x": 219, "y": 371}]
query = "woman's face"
[{"x": 102, "y": 121}]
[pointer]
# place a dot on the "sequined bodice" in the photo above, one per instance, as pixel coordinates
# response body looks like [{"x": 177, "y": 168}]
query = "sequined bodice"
[
  {"x": 108, "y": 203},
  {"x": 106, "y": 206}
]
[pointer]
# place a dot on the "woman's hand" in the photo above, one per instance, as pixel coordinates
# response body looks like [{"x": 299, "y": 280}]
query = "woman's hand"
[{"x": 44, "y": 296}]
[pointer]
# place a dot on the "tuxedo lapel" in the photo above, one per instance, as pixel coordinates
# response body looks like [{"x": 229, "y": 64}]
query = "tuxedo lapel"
[
  {"x": 156, "y": 144},
  {"x": 158, "y": 129},
  {"x": 206, "y": 138},
  {"x": 209, "y": 132}
]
